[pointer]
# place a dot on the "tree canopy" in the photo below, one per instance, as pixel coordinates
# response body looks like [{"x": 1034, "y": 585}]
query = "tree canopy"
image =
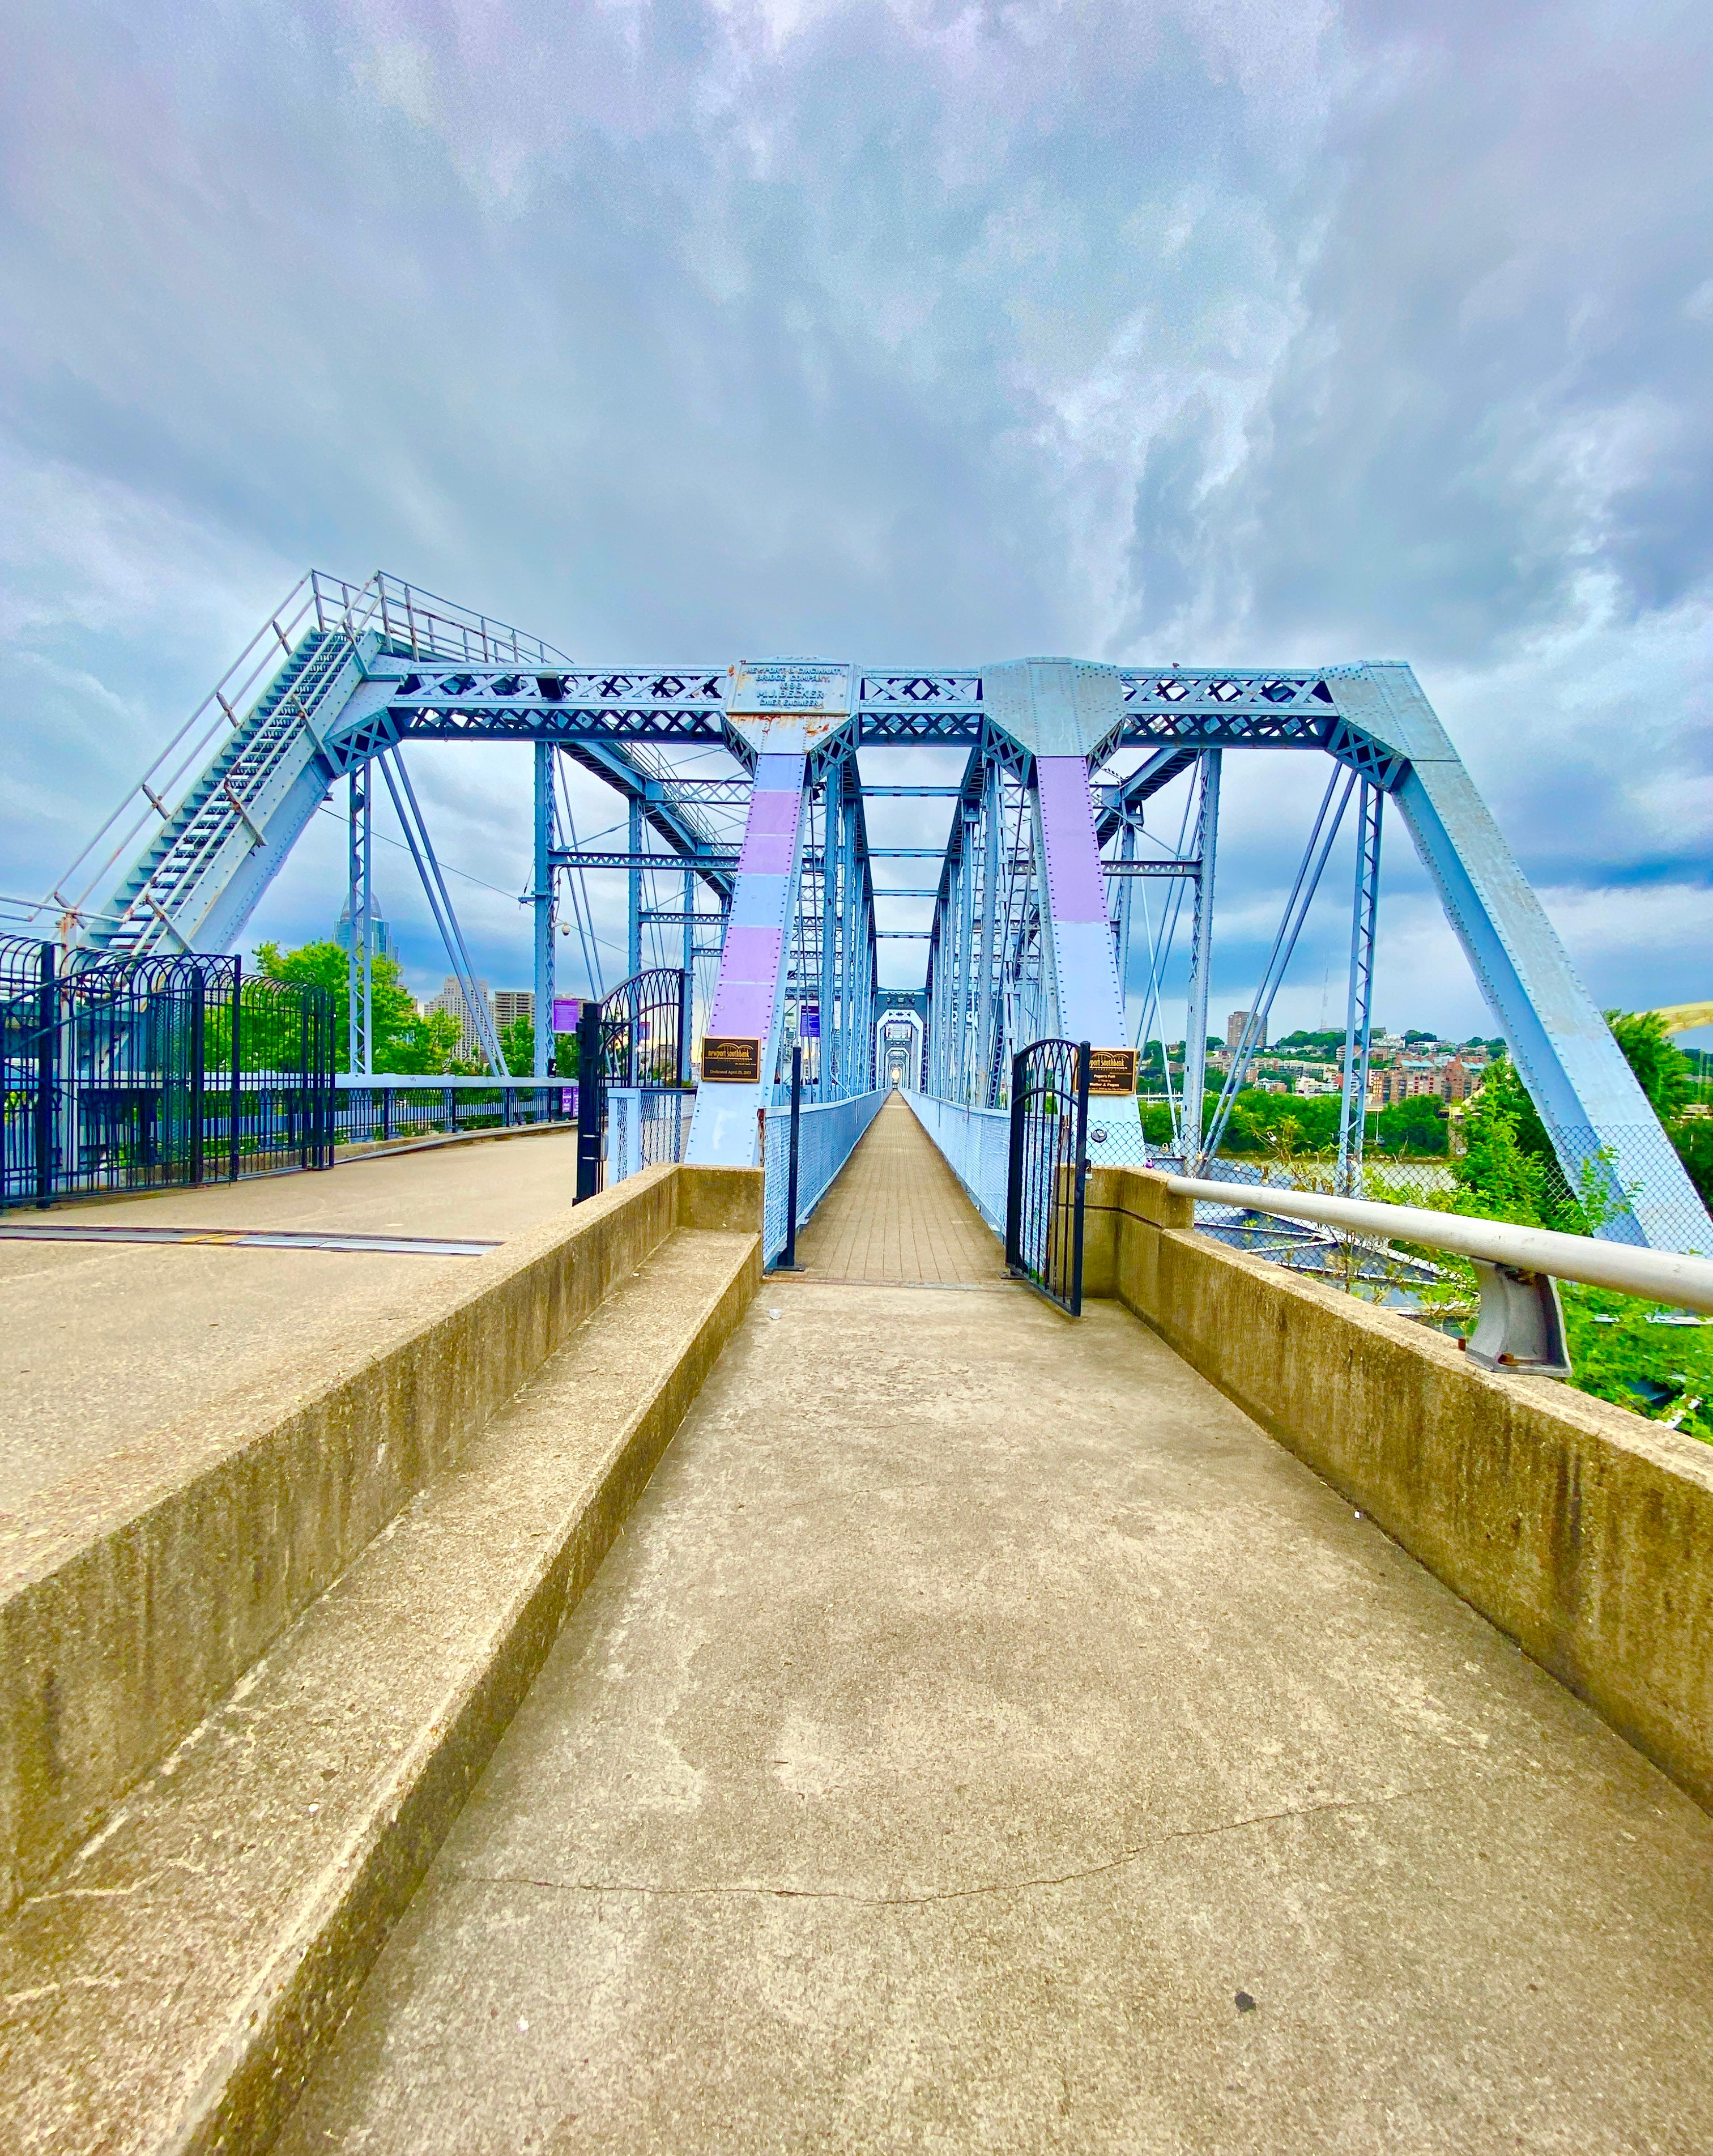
[{"x": 404, "y": 1041}]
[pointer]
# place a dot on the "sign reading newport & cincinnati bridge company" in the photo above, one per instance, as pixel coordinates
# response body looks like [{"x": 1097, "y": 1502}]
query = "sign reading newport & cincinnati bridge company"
[{"x": 761, "y": 687}]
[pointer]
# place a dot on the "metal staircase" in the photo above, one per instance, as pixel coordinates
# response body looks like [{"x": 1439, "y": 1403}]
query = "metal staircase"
[
  {"x": 251, "y": 778},
  {"x": 228, "y": 807}
]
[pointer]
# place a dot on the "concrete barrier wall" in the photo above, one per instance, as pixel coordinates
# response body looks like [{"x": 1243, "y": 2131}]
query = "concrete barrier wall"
[
  {"x": 1584, "y": 1531},
  {"x": 148, "y": 1586}
]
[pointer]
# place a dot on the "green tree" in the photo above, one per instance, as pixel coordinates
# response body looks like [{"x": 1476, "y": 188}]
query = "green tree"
[
  {"x": 404, "y": 1039},
  {"x": 1661, "y": 1069},
  {"x": 1694, "y": 1141},
  {"x": 1498, "y": 1178},
  {"x": 1414, "y": 1126},
  {"x": 517, "y": 1044}
]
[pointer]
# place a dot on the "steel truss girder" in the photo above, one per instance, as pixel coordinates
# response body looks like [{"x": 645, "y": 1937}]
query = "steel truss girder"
[
  {"x": 715, "y": 868},
  {"x": 360, "y": 690}
]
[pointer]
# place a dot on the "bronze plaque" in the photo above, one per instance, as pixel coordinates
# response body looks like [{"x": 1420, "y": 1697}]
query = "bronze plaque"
[
  {"x": 1112, "y": 1070},
  {"x": 729, "y": 1060}
]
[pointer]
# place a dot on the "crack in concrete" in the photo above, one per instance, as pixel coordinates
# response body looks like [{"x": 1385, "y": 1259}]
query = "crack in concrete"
[{"x": 950, "y": 1894}]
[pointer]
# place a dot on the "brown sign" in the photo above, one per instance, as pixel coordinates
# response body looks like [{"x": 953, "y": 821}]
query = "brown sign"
[
  {"x": 731, "y": 1060},
  {"x": 1112, "y": 1070}
]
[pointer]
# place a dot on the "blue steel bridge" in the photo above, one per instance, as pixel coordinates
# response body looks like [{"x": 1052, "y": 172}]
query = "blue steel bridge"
[
  {"x": 750, "y": 864},
  {"x": 485, "y": 1672}
]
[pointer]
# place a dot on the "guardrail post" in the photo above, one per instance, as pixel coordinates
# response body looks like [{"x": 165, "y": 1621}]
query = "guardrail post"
[
  {"x": 237, "y": 1069},
  {"x": 199, "y": 1049},
  {"x": 1014, "y": 1171},
  {"x": 47, "y": 1053},
  {"x": 1083, "y": 1061},
  {"x": 589, "y": 1091},
  {"x": 788, "y": 1262}
]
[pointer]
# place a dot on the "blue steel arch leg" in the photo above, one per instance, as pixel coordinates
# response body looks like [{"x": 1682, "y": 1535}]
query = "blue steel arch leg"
[
  {"x": 541, "y": 894},
  {"x": 749, "y": 992},
  {"x": 1359, "y": 1016},
  {"x": 1195, "y": 1023},
  {"x": 356, "y": 956},
  {"x": 1599, "y": 1119},
  {"x": 635, "y": 888},
  {"x": 688, "y": 964}
]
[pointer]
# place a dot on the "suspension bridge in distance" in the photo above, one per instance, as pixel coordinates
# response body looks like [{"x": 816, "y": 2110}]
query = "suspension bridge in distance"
[{"x": 813, "y": 1587}]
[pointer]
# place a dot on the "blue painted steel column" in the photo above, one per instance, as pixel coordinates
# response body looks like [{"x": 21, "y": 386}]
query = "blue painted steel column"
[
  {"x": 1195, "y": 1025},
  {"x": 1359, "y": 1017},
  {"x": 1079, "y": 928},
  {"x": 688, "y": 1020},
  {"x": 635, "y": 889},
  {"x": 992, "y": 799},
  {"x": 542, "y": 895},
  {"x": 748, "y": 993},
  {"x": 829, "y": 936},
  {"x": 1574, "y": 1070},
  {"x": 357, "y": 790}
]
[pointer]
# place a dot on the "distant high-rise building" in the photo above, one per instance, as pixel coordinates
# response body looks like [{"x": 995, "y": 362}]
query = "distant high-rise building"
[
  {"x": 451, "y": 998},
  {"x": 510, "y": 1004},
  {"x": 380, "y": 935},
  {"x": 1234, "y": 1023}
]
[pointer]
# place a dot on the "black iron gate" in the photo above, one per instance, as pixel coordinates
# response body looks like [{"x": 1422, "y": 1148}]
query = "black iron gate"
[
  {"x": 1049, "y": 1170},
  {"x": 140, "y": 1074},
  {"x": 636, "y": 1039}
]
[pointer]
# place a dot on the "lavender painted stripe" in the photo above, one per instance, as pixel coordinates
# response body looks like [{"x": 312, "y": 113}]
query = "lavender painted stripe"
[
  {"x": 766, "y": 853},
  {"x": 770, "y": 833},
  {"x": 749, "y": 976},
  {"x": 1073, "y": 856},
  {"x": 774, "y": 814}
]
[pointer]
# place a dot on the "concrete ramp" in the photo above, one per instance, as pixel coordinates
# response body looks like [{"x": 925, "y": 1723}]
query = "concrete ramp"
[{"x": 984, "y": 1737}]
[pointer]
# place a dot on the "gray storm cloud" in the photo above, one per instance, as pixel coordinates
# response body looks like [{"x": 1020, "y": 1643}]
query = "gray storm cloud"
[{"x": 919, "y": 332}]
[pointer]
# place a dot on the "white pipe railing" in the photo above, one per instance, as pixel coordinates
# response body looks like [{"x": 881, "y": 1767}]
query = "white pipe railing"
[{"x": 1673, "y": 1276}]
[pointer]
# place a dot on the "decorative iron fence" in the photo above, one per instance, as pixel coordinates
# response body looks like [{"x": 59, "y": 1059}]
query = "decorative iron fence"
[
  {"x": 632, "y": 1078},
  {"x": 142, "y": 1073},
  {"x": 1049, "y": 1170}
]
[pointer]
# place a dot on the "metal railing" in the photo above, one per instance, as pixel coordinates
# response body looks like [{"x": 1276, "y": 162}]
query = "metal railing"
[
  {"x": 828, "y": 1135},
  {"x": 1521, "y": 1327},
  {"x": 405, "y": 619},
  {"x": 385, "y": 1110},
  {"x": 141, "y": 1074}
]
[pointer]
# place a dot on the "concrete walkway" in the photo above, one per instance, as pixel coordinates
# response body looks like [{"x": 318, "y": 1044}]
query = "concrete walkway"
[
  {"x": 984, "y": 1738},
  {"x": 103, "y": 1346}
]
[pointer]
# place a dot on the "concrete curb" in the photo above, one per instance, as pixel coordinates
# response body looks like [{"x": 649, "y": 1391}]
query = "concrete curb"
[
  {"x": 1583, "y": 1531},
  {"x": 139, "y": 1592},
  {"x": 298, "y": 2002},
  {"x": 171, "y": 1985}
]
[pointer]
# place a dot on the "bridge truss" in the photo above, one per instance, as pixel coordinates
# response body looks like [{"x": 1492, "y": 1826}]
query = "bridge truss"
[{"x": 742, "y": 789}]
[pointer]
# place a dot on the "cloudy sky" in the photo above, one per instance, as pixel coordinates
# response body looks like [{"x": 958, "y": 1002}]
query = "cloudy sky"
[{"x": 935, "y": 332}]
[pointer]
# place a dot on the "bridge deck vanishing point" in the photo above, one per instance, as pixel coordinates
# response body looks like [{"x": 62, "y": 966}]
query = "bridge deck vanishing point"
[{"x": 983, "y": 1737}]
